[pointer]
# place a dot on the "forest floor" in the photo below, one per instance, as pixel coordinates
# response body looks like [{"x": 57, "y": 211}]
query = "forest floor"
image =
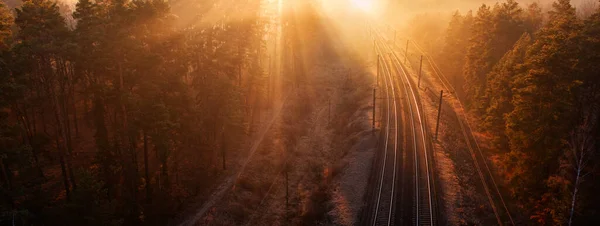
[
  {"x": 323, "y": 167},
  {"x": 227, "y": 181}
]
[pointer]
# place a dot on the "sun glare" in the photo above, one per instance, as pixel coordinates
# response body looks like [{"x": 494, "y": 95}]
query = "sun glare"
[{"x": 364, "y": 5}]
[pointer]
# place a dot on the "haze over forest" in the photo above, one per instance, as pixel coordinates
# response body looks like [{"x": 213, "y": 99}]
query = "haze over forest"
[{"x": 299, "y": 112}]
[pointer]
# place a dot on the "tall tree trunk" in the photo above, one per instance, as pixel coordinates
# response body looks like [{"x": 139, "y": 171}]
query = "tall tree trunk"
[
  {"x": 67, "y": 135},
  {"x": 41, "y": 113},
  {"x": 43, "y": 118},
  {"x": 134, "y": 179},
  {"x": 583, "y": 146},
  {"x": 574, "y": 197},
  {"x": 63, "y": 170},
  {"x": 33, "y": 122},
  {"x": 74, "y": 103},
  {"x": 60, "y": 135},
  {"x": 67, "y": 124},
  {"x": 146, "y": 171},
  {"x": 28, "y": 139},
  {"x": 28, "y": 124},
  {"x": 165, "y": 173},
  {"x": 129, "y": 146},
  {"x": 64, "y": 105},
  {"x": 71, "y": 174},
  {"x": 161, "y": 152},
  {"x": 102, "y": 142},
  {"x": 5, "y": 177},
  {"x": 7, "y": 181},
  {"x": 223, "y": 149}
]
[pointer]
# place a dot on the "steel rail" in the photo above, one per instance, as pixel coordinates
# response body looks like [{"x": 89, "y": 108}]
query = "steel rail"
[
  {"x": 390, "y": 101},
  {"x": 414, "y": 103},
  {"x": 385, "y": 150}
]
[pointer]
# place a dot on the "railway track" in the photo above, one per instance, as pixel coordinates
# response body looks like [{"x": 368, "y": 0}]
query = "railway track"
[
  {"x": 415, "y": 193},
  {"x": 384, "y": 209},
  {"x": 486, "y": 177},
  {"x": 425, "y": 204}
]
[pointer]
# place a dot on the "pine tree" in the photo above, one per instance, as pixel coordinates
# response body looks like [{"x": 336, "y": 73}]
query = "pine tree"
[
  {"x": 581, "y": 159},
  {"x": 533, "y": 18},
  {"x": 590, "y": 45},
  {"x": 41, "y": 49},
  {"x": 454, "y": 46},
  {"x": 507, "y": 28},
  {"x": 144, "y": 84},
  {"x": 542, "y": 116},
  {"x": 479, "y": 56},
  {"x": 499, "y": 92},
  {"x": 9, "y": 91},
  {"x": 5, "y": 26}
]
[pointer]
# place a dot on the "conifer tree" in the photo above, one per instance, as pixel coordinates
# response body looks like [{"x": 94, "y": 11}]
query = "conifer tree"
[
  {"x": 455, "y": 43},
  {"x": 479, "y": 56},
  {"x": 543, "y": 113},
  {"x": 499, "y": 92},
  {"x": 533, "y": 18},
  {"x": 42, "y": 41}
]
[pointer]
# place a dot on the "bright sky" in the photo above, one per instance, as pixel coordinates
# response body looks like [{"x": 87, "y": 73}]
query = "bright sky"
[{"x": 364, "y": 5}]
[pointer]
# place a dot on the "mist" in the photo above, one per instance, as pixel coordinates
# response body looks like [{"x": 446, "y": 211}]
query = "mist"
[{"x": 400, "y": 12}]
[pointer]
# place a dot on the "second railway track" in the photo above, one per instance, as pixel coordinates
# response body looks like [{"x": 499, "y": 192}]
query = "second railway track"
[{"x": 494, "y": 195}]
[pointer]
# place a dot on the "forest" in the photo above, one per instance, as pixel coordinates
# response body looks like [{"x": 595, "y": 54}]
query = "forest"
[
  {"x": 128, "y": 112},
  {"x": 114, "y": 113},
  {"x": 530, "y": 77}
]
